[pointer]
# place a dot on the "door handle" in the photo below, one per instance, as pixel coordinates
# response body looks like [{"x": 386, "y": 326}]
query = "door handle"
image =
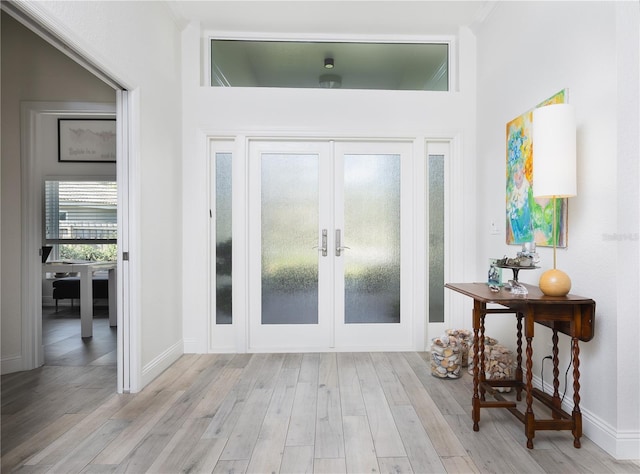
[
  {"x": 323, "y": 248},
  {"x": 339, "y": 246}
]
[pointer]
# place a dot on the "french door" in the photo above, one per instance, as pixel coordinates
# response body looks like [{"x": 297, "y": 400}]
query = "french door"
[{"x": 329, "y": 245}]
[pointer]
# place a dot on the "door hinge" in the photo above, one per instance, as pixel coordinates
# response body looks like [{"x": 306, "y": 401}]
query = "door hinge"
[{"x": 125, "y": 256}]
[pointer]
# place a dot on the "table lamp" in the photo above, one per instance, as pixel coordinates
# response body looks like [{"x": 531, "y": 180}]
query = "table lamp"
[{"x": 554, "y": 175}]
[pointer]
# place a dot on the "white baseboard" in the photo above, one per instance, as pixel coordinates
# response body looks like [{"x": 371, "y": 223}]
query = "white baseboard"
[
  {"x": 628, "y": 445},
  {"x": 619, "y": 444},
  {"x": 162, "y": 362},
  {"x": 11, "y": 363},
  {"x": 194, "y": 346},
  {"x": 223, "y": 350}
]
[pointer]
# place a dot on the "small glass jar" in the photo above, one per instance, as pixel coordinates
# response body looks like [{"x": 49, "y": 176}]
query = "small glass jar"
[
  {"x": 488, "y": 343},
  {"x": 464, "y": 337},
  {"x": 499, "y": 364},
  {"x": 446, "y": 357}
]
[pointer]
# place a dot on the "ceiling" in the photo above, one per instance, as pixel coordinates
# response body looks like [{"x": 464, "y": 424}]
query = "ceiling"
[
  {"x": 343, "y": 22},
  {"x": 327, "y": 17}
]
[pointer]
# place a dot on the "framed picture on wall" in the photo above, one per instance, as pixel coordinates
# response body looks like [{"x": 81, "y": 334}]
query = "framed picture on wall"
[
  {"x": 87, "y": 140},
  {"x": 530, "y": 219}
]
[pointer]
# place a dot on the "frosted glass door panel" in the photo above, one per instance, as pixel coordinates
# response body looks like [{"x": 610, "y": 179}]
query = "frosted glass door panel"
[
  {"x": 372, "y": 233},
  {"x": 289, "y": 233},
  {"x": 328, "y": 245},
  {"x": 436, "y": 238},
  {"x": 223, "y": 237}
]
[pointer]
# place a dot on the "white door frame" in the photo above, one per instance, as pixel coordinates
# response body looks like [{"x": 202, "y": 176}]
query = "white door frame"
[
  {"x": 32, "y": 353},
  {"x": 439, "y": 148},
  {"x": 128, "y": 335},
  {"x": 457, "y": 216},
  {"x": 233, "y": 338},
  {"x": 31, "y": 198}
]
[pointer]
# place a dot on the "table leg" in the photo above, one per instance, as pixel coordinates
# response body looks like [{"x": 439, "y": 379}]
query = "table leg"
[
  {"x": 518, "y": 373},
  {"x": 475, "y": 400},
  {"x": 481, "y": 375},
  {"x": 529, "y": 419},
  {"x": 557, "y": 402},
  {"x": 577, "y": 415},
  {"x": 113, "y": 313},
  {"x": 86, "y": 303}
]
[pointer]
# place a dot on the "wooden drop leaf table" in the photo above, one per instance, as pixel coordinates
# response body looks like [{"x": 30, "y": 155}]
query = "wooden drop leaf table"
[{"x": 571, "y": 315}]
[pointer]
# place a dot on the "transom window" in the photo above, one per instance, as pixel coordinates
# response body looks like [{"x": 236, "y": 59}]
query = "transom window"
[{"x": 347, "y": 65}]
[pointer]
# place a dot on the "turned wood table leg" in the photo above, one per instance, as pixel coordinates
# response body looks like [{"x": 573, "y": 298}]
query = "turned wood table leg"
[
  {"x": 478, "y": 323},
  {"x": 518, "y": 373},
  {"x": 475, "y": 402},
  {"x": 480, "y": 365},
  {"x": 577, "y": 415},
  {"x": 557, "y": 402},
  {"x": 529, "y": 419}
]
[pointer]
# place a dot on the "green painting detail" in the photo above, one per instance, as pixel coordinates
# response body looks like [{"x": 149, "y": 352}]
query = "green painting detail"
[{"x": 529, "y": 219}]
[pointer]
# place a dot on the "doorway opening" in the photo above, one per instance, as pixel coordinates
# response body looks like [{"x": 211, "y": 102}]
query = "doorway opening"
[
  {"x": 32, "y": 120},
  {"x": 80, "y": 225}
]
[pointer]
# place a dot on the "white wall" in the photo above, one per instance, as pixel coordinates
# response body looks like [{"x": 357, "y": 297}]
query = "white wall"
[
  {"x": 527, "y": 51},
  {"x": 138, "y": 44},
  {"x": 47, "y": 76},
  {"x": 628, "y": 250}
]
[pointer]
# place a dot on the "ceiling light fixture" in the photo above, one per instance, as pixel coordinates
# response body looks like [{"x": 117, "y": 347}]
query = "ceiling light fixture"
[
  {"x": 328, "y": 63},
  {"x": 330, "y": 81}
]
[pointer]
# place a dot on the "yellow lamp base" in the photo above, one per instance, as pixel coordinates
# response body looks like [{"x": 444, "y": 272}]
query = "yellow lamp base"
[{"x": 555, "y": 283}]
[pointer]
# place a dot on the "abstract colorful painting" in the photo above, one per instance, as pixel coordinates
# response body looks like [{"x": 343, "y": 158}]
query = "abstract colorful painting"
[{"x": 530, "y": 219}]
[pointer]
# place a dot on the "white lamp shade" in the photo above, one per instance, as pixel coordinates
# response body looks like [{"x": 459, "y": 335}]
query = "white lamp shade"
[{"x": 554, "y": 151}]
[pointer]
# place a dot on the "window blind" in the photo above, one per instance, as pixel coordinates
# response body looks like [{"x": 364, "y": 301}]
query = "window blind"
[{"x": 81, "y": 211}]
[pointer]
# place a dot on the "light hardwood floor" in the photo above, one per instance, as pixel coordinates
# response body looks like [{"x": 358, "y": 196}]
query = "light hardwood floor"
[{"x": 263, "y": 413}]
